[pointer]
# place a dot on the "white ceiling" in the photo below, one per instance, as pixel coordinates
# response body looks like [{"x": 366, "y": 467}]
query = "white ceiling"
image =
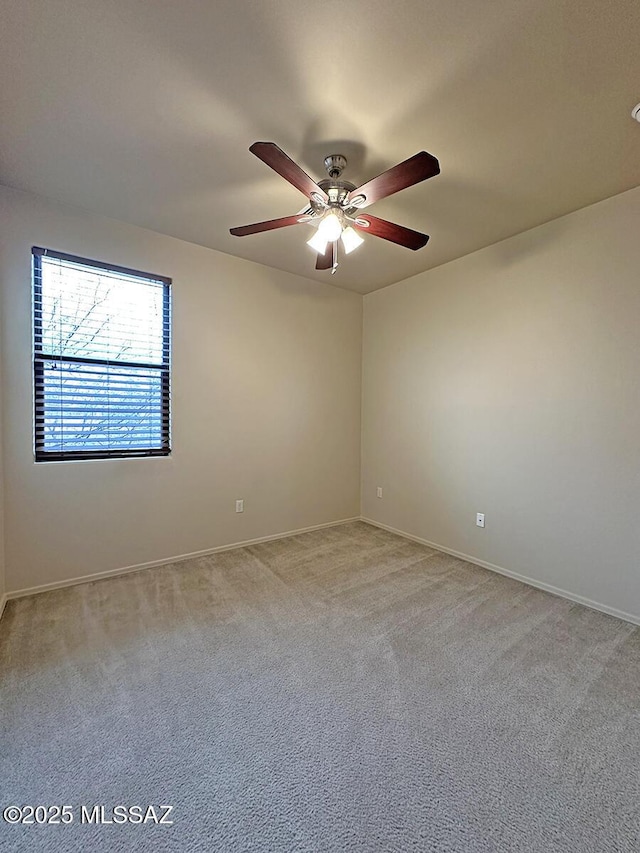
[{"x": 144, "y": 110}]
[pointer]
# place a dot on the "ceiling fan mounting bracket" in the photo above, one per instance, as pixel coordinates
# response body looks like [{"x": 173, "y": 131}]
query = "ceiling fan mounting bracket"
[{"x": 335, "y": 164}]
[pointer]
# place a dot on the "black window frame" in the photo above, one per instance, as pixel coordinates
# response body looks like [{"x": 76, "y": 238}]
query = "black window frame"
[{"x": 40, "y": 358}]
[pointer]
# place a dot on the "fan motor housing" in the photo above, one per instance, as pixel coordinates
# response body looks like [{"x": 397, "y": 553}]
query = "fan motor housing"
[{"x": 336, "y": 190}]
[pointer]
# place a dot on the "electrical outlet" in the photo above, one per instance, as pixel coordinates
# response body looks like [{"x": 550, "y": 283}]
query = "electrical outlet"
[
  {"x": 479, "y": 519},
  {"x": 239, "y": 506},
  {"x": 379, "y": 492}
]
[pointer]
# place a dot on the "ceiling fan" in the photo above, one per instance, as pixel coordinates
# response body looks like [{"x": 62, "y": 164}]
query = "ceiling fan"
[{"x": 334, "y": 205}]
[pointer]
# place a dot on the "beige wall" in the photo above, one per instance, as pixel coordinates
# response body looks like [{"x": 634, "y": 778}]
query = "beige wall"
[
  {"x": 3, "y": 585},
  {"x": 266, "y": 407},
  {"x": 508, "y": 382},
  {"x": 505, "y": 382}
]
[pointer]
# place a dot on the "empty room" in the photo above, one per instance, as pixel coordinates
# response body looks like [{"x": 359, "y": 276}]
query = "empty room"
[{"x": 320, "y": 426}]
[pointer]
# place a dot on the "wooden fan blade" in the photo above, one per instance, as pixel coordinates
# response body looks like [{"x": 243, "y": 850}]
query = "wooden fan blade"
[
  {"x": 392, "y": 232},
  {"x": 269, "y": 225},
  {"x": 325, "y": 261},
  {"x": 417, "y": 168},
  {"x": 281, "y": 163}
]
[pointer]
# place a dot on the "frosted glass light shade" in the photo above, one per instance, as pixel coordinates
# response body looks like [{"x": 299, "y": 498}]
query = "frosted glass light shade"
[
  {"x": 351, "y": 240},
  {"x": 330, "y": 227},
  {"x": 318, "y": 242}
]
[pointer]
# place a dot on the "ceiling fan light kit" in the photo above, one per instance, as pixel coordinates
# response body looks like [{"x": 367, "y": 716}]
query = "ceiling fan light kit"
[{"x": 334, "y": 204}]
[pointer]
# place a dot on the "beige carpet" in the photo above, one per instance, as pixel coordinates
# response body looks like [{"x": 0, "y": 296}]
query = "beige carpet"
[{"x": 342, "y": 690}]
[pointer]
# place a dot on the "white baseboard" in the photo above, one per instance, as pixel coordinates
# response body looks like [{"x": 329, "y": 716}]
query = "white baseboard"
[
  {"x": 110, "y": 573},
  {"x": 554, "y": 590}
]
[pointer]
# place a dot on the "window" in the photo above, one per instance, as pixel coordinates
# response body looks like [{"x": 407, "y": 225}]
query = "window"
[{"x": 101, "y": 359}]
